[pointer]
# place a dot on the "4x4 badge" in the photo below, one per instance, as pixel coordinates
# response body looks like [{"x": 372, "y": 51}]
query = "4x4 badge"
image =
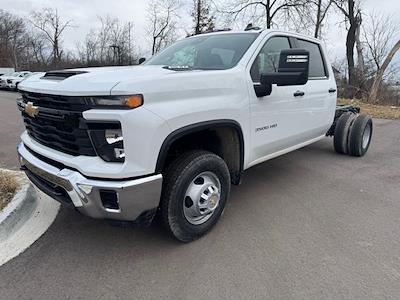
[{"x": 31, "y": 110}]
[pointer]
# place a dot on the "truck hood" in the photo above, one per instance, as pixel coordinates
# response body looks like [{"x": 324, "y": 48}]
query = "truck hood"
[{"x": 91, "y": 81}]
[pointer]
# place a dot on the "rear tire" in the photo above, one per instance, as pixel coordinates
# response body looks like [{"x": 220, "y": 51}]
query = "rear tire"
[
  {"x": 341, "y": 135},
  {"x": 195, "y": 190},
  {"x": 360, "y": 136}
]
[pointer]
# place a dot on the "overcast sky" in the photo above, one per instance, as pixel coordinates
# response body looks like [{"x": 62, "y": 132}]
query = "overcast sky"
[{"x": 85, "y": 14}]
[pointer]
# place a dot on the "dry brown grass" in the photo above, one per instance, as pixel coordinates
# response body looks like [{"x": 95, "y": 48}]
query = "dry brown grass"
[
  {"x": 8, "y": 187},
  {"x": 375, "y": 111}
]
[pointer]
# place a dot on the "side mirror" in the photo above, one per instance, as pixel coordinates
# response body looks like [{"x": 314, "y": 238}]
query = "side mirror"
[
  {"x": 292, "y": 70},
  {"x": 142, "y": 60}
]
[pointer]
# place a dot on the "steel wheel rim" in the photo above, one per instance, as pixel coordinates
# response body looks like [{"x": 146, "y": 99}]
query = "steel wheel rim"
[
  {"x": 202, "y": 198},
  {"x": 366, "y": 136}
]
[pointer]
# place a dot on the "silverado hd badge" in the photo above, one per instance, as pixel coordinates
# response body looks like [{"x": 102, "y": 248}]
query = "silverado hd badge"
[{"x": 31, "y": 110}]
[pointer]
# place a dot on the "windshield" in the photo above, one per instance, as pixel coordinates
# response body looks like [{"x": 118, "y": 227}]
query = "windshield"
[{"x": 207, "y": 52}]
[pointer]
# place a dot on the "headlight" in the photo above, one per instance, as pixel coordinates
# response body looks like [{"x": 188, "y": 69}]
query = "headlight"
[
  {"x": 127, "y": 102},
  {"x": 108, "y": 141}
]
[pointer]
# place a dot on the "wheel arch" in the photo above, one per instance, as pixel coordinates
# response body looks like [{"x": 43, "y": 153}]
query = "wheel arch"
[{"x": 235, "y": 162}]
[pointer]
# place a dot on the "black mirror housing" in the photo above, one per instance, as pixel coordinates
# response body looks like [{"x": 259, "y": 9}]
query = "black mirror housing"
[
  {"x": 142, "y": 60},
  {"x": 262, "y": 90},
  {"x": 293, "y": 69}
]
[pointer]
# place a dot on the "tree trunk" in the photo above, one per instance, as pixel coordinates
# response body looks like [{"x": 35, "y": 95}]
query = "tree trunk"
[
  {"x": 268, "y": 14},
  {"x": 373, "y": 95},
  {"x": 360, "y": 54},
  {"x": 197, "y": 30},
  {"x": 318, "y": 21},
  {"x": 355, "y": 22},
  {"x": 153, "y": 48},
  {"x": 350, "y": 42}
]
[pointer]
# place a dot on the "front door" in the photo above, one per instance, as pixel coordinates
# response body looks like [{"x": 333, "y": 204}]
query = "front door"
[{"x": 281, "y": 119}]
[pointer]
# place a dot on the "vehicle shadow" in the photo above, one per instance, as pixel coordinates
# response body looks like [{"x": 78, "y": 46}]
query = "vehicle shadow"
[
  {"x": 71, "y": 225},
  {"x": 76, "y": 237}
]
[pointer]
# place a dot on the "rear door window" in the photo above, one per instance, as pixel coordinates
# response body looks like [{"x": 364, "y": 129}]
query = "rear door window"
[{"x": 317, "y": 66}]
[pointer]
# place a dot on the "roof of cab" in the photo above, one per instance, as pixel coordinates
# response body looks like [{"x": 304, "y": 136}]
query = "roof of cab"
[{"x": 258, "y": 31}]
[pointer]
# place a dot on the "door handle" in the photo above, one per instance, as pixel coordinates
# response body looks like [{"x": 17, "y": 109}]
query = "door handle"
[
  {"x": 298, "y": 94},
  {"x": 332, "y": 90}
]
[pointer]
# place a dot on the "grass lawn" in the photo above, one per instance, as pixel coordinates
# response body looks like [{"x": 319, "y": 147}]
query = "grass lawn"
[
  {"x": 375, "y": 111},
  {"x": 8, "y": 187}
]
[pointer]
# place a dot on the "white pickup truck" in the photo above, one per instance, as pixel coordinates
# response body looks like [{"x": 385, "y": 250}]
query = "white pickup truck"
[{"x": 169, "y": 137}]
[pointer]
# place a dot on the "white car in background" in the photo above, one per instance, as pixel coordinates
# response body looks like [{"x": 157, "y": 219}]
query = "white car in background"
[
  {"x": 3, "y": 80},
  {"x": 6, "y": 80},
  {"x": 12, "y": 83}
]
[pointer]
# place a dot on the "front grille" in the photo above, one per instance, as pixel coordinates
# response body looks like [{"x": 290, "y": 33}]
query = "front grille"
[
  {"x": 59, "y": 124},
  {"x": 69, "y": 103}
]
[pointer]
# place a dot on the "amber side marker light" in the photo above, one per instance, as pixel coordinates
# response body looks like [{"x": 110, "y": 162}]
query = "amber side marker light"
[{"x": 134, "y": 101}]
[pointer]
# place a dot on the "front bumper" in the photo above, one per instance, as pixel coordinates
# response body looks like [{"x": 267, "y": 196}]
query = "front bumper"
[{"x": 130, "y": 198}]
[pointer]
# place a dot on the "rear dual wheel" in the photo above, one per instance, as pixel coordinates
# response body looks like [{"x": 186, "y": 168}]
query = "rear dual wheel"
[
  {"x": 360, "y": 136},
  {"x": 353, "y": 134},
  {"x": 342, "y": 129}
]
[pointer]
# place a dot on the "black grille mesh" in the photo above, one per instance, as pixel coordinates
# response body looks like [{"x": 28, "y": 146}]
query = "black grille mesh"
[{"x": 64, "y": 130}]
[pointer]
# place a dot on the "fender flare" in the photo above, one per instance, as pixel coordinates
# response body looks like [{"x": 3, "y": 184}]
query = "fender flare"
[{"x": 181, "y": 132}]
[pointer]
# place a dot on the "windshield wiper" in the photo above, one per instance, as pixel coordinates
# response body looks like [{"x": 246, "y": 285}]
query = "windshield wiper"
[{"x": 178, "y": 68}]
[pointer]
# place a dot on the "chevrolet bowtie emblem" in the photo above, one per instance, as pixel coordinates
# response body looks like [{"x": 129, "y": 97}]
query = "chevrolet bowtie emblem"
[{"x": 31, "y": 110}]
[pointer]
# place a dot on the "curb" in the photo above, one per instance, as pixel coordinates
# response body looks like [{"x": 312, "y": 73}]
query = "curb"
[
  {"x": 25, "y": 219},
  {"x": 21, "y": 207}
]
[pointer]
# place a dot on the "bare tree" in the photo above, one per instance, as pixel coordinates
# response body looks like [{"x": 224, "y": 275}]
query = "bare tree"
[
  {"x": 203, "y": 20},
  {"x": 260, "y": 11},
  {"x": 310, "y": 18},
  {"x": 379, "y": 75},
  {"x": 38, "y": 50},
  {"x": 322, "y": 7},
  {"x": 110, "y": 43},
  {"x": 379, "y": 36},
  {"x": 51, "y": 24},
  {"x": 352, "y": 13},
  {"x": 360, "y": 52},
  {"x": 162, "y": 15},
  {"x": 13, "y": 39}
]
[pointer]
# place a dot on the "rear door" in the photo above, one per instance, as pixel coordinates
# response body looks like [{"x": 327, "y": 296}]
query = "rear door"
[{"x": 320, "y": 90}]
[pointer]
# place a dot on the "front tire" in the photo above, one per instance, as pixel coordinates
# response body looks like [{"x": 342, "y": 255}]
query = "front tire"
[{"x": 195, "y": 190}]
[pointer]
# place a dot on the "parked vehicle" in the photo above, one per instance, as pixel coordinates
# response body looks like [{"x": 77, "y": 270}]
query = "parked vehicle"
[
  {"x": 16, "y": 78},
  {"x": 173, "y": 134},
  {"x": 14, "y": 82},
  {"x": 3, "y": 80},
  {"x": 6, "y": 80}
]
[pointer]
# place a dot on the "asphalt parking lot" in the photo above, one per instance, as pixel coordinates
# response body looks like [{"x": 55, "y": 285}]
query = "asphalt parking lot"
[
  {"x": 307, "y": 225},
  {"x": 11, "y": 126}
]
